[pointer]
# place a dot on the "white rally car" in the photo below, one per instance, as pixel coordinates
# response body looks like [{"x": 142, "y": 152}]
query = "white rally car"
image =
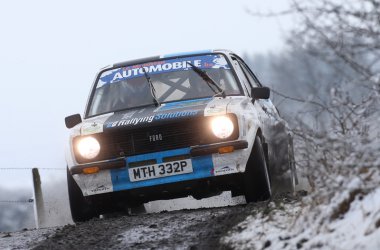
[{"x": 175, "y": 125}]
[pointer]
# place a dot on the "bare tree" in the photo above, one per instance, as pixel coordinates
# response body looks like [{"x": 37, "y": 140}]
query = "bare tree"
[{"x": 330, "y": 79}]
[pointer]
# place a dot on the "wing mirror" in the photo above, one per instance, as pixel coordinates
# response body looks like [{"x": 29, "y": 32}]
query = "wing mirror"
[
  {"x": 73, "y": 120},
  {"x": 260, "y": 93}
]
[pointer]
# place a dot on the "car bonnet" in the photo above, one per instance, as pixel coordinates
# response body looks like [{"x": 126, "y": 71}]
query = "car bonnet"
[{"x": 152, "y": 115}]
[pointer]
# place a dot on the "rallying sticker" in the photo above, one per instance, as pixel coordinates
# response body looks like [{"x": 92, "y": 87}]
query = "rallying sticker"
[
  {"x": 133, "y": 121},
  {"x": 158, "y": 67},
  {"x": 149, "y": 119},
  {"x": 177, "y": 114}
]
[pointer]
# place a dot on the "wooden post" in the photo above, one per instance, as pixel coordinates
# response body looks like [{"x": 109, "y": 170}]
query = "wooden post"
[{"x": 38, "y": 199}]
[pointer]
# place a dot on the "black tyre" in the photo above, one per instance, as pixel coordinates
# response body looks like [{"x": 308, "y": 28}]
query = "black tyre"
[
  {"x": 137, "y": 209},
  {"x": 81, "y": 209},
  {"x": 256, "y": 177}
]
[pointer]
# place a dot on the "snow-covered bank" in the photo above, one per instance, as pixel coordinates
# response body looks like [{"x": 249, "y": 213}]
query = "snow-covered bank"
[{"x": 347, "y": 217}]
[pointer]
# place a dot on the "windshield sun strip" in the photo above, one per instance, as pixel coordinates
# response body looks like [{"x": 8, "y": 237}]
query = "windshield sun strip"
[{"x": 133, "y": 63}]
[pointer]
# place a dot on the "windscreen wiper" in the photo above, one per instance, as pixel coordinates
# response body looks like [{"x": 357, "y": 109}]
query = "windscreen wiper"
[
  {"x": 151, "y": 87},
  {"x": 210, "y": 82}
]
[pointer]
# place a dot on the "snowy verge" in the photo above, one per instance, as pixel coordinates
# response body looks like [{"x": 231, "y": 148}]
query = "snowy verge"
[{"x": 347, "y": 217}]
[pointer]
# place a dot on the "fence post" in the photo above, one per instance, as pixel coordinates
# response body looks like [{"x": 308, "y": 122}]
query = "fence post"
[{"x": 38, "y": 199}]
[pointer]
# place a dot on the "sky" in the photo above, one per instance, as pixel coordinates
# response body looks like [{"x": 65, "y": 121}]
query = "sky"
[{"x": 50, "y": 52}]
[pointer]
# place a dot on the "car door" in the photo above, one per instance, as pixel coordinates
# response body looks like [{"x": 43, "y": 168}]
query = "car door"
[
  {"x": 250, "y": 83},
  {"x": 255, "y": 109},
  {"x": 275, "y": 128}
]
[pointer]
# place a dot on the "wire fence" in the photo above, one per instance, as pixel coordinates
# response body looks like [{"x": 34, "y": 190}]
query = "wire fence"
[
  {"x": 32, "y": 168},
  {"x": 20, "y": 201},
  {"x": 26, "y": 201}
]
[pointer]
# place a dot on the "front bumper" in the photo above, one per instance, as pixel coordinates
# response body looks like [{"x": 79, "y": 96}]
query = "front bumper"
[
  {"x": 206, "y": 161},
  {"x": 198, "y": 188}
]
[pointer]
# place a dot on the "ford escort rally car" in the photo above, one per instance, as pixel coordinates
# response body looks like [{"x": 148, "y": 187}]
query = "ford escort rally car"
[{"x": 172, "y": 126}]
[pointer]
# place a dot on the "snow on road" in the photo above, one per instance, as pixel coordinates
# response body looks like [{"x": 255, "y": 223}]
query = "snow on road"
[
  {"x": 184, "y": 229},
  {"x": 200, "y": 228}
]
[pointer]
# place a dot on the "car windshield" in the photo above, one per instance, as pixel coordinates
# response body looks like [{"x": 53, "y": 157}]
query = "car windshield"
[{"x": 171, "y": 80}]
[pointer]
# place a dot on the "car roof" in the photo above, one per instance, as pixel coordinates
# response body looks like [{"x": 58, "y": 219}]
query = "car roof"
[{"x": 152, "y": 58}]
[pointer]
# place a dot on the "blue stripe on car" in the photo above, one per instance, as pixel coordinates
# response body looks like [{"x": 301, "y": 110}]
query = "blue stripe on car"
[
  {"x": 184, "y": 104},
  {"x": 202, "y": 168},
  {"x": 187, "y": 53}
]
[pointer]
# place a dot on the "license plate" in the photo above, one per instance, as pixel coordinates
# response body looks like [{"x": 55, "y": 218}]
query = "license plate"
[{"x": 160, "y": 170}]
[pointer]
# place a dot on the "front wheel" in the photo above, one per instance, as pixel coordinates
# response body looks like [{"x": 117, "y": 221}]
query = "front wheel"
[
  {"x": 81, "y": 209},
  {"x": 256, "y": 177}
]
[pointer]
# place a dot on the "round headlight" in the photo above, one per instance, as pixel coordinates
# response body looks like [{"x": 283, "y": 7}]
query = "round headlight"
[
  {"x": 222, "y": 127},
  {"x": 88, "y": 147}
]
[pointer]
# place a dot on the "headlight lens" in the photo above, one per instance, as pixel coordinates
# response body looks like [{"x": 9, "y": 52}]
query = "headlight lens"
[
  {"x": 222, "y": 127},
  {"x": 88, "y": 147}
]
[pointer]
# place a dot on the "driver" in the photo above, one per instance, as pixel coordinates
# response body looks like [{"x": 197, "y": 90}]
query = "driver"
[{"x": 132, "y": 93}]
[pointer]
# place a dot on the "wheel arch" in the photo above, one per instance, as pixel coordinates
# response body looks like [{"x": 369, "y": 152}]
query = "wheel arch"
[{"x": 260, "y": 134}]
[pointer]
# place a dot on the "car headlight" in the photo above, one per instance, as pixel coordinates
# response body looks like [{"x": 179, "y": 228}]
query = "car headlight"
[
  {"x": 88, "y": 147},
  {"x": 222, "y": 127}
]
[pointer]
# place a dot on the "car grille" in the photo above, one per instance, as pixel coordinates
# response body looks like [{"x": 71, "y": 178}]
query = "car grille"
[{"x": 121, "y": 142}]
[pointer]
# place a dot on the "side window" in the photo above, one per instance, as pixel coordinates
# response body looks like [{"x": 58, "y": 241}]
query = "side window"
[
  {"x": 242, "y": 75},
  {"x": 249, "y": 75}
]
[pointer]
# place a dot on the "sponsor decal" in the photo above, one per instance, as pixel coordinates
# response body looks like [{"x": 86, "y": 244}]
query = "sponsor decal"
[
  {"x": 100, "y": 188},
  {"x": 149, "y": 119},
  {"x": 97, "y": 183},
  {"x": 177, "y": 114},
  {"x": 213, "y": 110},
  {"x": 91, "y": 128},
  {"x": 165, "y": 66},
  {"x": 225, "y": 169},
  {"x": 217, "y": 106}
]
